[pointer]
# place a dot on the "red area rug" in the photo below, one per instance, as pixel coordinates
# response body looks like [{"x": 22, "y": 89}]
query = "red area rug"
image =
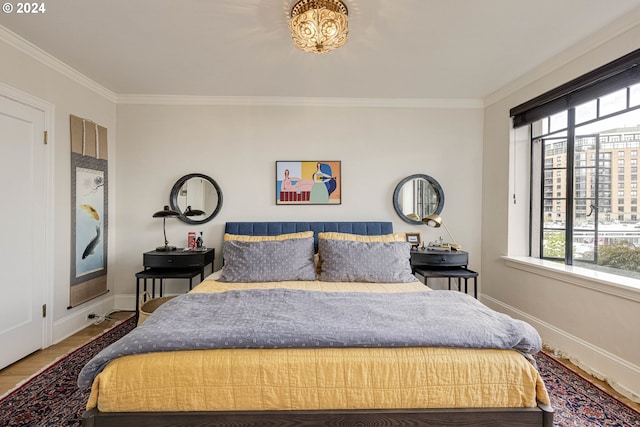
[
  {"x": 578, "y": 402},
  {"x": 52, "y": 398}
]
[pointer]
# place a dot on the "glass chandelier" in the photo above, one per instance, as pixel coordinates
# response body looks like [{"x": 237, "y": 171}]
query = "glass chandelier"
[{"x": 319, "y": 26}]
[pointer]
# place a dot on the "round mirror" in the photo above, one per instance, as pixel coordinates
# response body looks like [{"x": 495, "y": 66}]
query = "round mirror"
[
  {"x": 200, "y": 193},
  {"x": 420, "y": 195}
]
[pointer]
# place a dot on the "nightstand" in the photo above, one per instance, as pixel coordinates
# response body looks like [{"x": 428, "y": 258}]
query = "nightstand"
[
  {"x": 444, "y": 264},
  {"x": 178, "y": 264}
]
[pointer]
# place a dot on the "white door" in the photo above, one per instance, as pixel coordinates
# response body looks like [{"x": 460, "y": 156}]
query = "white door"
[{"x": 23, "y": 218}]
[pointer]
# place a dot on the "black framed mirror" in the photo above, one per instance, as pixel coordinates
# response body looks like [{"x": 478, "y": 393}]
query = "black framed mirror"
[
  {"x": 198, "y": 191},
  {"x": 420, "y": 195}
]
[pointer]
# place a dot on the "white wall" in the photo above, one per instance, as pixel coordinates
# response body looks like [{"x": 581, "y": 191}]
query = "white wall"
[
  {"x": 21, "y": 71},
  {"x": 238, "y": 147},
  {"x": 598, "y": 329}
]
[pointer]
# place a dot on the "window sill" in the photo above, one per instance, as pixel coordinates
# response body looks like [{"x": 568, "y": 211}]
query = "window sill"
[{"x": 612, "y": 284}]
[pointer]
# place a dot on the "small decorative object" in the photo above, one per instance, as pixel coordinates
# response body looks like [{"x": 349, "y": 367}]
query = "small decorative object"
[
  {"x": 308, "y": 183},
  {"x": 191, "y": 240},
  {"x": 199, "y": 242},
  {"x": 435, "y": 221},
  {"x": 319, "y": 26},
  {"x": 164, "y": 214},
  {"x": 414, "y": 239}
]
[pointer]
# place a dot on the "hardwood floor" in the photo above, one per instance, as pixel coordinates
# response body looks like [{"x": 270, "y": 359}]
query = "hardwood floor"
[{"x": 26, "y": 367}]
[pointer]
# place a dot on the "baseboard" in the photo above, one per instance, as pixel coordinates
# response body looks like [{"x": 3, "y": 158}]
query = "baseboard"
[
  {"x": 125, "y": 302},
  {"x": 79, "y": 320},
  {"x": 621, "y": 374}
]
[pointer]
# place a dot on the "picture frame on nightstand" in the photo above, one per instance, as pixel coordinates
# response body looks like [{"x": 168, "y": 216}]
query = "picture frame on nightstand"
[{"x": 414, "y": 239}]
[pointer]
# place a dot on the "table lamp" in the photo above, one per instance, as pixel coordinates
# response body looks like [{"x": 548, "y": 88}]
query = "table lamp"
[
  {"x": 164, "y": 214},
  {"x": 435, "y": 221}
]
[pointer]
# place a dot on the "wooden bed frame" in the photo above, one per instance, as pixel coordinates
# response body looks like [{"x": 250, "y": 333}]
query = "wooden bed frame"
[{"x": 541, "y": 416}]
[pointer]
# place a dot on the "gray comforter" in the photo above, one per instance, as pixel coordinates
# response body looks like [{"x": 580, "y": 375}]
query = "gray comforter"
[{"x": 284, "y": 318}]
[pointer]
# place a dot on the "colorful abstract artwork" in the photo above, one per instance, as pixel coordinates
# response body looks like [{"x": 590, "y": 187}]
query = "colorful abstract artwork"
[{"x": 308, "y": 182}]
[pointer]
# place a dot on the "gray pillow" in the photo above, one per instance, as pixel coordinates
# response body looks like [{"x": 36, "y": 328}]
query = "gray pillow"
[
  {"x": 349, "y": 261},
  {"x": 268, "y": 261}
]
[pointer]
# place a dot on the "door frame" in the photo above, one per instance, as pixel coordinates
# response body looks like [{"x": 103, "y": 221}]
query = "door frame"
[{"x": 48, "y": 109}]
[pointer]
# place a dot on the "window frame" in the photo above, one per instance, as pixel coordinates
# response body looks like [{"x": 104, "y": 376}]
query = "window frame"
[{"x": 564, "y": 100}]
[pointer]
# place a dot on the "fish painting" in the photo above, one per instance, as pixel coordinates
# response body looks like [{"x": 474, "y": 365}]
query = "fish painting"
[
  {"x": 91, "y": 211},
  {"x": 92, "y": 244}
]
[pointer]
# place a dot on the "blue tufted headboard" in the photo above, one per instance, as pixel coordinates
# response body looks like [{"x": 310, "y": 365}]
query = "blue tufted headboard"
[{"x": 365, "y": 228}]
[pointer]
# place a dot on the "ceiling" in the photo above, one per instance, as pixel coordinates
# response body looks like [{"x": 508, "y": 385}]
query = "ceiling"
[{"x": 408, "y": 49}]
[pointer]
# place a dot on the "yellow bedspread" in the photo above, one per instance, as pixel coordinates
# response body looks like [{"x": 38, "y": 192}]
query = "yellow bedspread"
[
  {"x": 209, "y": 286},
  {"x": 289, "y": 379}
]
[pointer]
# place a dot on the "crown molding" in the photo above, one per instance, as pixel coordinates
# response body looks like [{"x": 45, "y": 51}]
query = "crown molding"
[
  {"x": 275, "y": 101},
  {"x": 55, "y": 64}
]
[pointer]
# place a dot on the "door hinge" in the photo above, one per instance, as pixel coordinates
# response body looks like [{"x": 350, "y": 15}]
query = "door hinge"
[
  {"x": 44, "y": 310},
  {"x": 46, "y": 138}
]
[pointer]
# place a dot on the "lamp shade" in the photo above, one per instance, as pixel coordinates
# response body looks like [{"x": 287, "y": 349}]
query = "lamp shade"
[
  {"x": 432, "y": 220},
  {"x": 166, "y": 212},
  {"x": 192, "y": 212}
]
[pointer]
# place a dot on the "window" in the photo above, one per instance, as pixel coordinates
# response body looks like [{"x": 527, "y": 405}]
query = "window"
[{"x": 581, "y": 135}]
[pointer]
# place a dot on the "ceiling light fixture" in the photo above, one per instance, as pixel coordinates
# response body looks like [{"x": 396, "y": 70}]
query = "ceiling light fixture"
[{"x": 319, "y": 26}]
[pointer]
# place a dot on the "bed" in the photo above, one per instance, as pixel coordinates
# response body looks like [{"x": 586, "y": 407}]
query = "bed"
[{"x": 325, "y": 381}]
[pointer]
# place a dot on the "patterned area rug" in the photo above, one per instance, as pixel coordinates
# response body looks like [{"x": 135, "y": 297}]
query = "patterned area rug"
[
  {"x": 578, "y": 402},
  {"x": 52, "y": 398}
]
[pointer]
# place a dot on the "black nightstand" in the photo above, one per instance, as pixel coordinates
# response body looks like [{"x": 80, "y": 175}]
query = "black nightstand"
[
  {"x": 178, "y": 264},
  {"x": 179, "y": 259},
  {"x": 444, "y": 264}
]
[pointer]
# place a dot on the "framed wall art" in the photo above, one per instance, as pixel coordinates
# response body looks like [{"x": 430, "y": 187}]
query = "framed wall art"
[
  {"x": 308, "y": 182},
  {"x": 89, "y": 211}
]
